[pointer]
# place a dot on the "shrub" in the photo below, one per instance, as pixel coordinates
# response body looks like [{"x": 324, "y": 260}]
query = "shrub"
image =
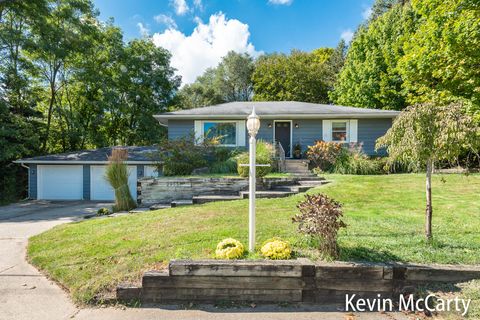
[
  {"x": 229, "y": 249},
  {"x": 323, "y": 154},
  {"x": 224, "y": 160},
  {"x": 181, "y": 156},
  {"x": 264, "y": 156},
  {"x": 103, "y": 212},
  {"x": 276, "y": 249},
  {"x": 117, "y": 175},
  {"x": 319, "y": 217},
  {"x": 354, "y": 161}
]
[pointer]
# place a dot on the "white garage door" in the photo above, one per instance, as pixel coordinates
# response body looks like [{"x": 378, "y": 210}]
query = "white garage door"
[
  {"x": 56, "y": 182},
  {"x": 100, "y": 189}
]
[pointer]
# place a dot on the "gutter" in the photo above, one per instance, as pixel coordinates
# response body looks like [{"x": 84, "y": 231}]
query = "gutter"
[{"x": 22, "y": 162}]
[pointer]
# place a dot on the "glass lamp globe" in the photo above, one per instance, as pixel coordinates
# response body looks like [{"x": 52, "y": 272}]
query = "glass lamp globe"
[{"x": 253, "y": 123}]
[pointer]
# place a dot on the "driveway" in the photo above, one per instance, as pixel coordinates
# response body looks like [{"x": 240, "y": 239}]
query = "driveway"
[{"x": 27, "y": 294}]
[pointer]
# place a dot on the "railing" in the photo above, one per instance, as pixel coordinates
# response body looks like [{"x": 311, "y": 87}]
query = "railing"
[{"x": 280, "y": 155}]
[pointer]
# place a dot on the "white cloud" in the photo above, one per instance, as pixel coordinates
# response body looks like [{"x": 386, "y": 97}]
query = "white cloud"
[
  {"x": 281, "y": 2},
  {"x": 144, "y": 31},
  {"x": 366, "y": 13},
  {"x": 209, "y": 42},
  {"x": 198, "y": 4},
  {"x": 180, "y": 7},
  {"x": 166, "y": 20},
  {"x": 347, "y": 35}
]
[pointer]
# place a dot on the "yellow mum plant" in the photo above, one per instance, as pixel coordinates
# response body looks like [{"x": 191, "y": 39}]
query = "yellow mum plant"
[
  {"x": 276, "y": 249},
  {"x": 229, "y": 249}
]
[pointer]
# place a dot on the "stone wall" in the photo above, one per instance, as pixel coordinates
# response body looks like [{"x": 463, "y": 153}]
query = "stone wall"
[
  {"x": 293, "y": 281},
  {"x": 165, "y": 190}
]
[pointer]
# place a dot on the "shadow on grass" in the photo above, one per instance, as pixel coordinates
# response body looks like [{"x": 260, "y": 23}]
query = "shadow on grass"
[{"x": 360, "y": 253}]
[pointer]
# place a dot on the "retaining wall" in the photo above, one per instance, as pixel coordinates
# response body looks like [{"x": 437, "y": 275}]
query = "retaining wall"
[{"x": 293, "y": 281}]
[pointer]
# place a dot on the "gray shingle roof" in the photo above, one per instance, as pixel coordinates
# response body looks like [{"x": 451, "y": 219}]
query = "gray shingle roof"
[
  {"x": 274, "y": 109},
  {"x": 142, "y": 154}
]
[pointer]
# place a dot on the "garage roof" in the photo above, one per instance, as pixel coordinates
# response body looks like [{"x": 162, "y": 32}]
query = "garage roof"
[{"x": 136, "y": 155}]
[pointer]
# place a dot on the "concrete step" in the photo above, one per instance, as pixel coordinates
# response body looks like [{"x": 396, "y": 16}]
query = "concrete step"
[
  {"x": 180, "y": 203},
  {"x": 159, "y": 206},
  {"x": 293, "y": 188},
  {"x": 308, "y": 177},
  {"x": 213, "y": 198},
  {"x": 312, "y": 183},
  {"x": 267, "y": 194}
]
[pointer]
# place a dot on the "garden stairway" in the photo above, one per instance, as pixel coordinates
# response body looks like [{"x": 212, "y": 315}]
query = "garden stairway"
[{"x": 298, "y": 168}]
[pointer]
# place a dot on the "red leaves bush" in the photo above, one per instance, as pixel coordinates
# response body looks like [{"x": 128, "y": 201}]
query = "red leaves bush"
[{"x": 320, "y": 217}]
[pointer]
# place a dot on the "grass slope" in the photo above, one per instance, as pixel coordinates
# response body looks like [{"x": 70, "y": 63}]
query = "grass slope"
[{"x": 385, "y": 217}]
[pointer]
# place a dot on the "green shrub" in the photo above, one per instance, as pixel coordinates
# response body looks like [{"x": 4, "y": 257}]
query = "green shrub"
[
  {"x": 354, "y": 161},
  {"x": 229, "y": 249},
  {"x": 181, "y": 156},
  {"x": 224, "y": 160},
  {"x": 276, "y": 249},
  {"x": 264, "y": 156},
  {"x": 320, "y": 217},
  {"x": 103, "y": 212},
  {"x": 117, "y": 175}
]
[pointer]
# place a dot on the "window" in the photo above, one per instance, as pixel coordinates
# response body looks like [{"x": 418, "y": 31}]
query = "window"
[
  {"x": 226, "y": 132},
  {"x": 339, "y": 131}
]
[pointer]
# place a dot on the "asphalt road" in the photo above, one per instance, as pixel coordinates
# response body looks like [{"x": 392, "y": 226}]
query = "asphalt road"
[{"x": 26, "y": 294}]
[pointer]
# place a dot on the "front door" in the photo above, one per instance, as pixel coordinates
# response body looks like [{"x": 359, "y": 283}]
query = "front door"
[{"x": 283, "y": 135}]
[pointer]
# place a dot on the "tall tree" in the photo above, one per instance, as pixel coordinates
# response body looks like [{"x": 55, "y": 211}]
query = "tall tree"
[
  {"x": 300, "y": 76},
  {"x": 370, "y": 77},
  {"x": 425, "y": 133}
]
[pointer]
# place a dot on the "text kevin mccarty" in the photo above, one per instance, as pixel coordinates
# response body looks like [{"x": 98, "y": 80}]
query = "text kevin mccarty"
[{"x": 406, "y": 303}]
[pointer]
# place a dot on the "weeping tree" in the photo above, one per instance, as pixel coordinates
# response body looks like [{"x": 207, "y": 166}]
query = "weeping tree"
[
  {"x": 427, "y": 133},
  {"x": 117, "y": 175}
]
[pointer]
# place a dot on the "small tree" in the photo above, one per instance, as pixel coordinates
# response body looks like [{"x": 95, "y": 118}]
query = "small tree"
[
  {"x": 117, "y": 176},
  {"x": 425, "y": 133}
]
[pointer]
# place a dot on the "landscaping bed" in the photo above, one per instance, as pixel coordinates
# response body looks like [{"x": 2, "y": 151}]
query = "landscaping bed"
[{"x": 384, "y": 214}]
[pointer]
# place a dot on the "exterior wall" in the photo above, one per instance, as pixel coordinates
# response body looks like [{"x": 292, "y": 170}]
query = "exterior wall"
[
  {"x": 86, "y": 182},
  {"x": 369, "y": 130},
  {"x": 140, "y": 171},
  {"x": 308, "y": 131},
  {"x": 32, "y": 181},
  {"x": 179, "y": 128}
]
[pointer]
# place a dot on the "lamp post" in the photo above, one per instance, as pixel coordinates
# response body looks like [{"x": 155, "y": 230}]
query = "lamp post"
[{"x": 253, "y": 125}]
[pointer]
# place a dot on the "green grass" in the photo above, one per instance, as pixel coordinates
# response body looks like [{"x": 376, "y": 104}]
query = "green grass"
[{"x": 384, "y": 214}]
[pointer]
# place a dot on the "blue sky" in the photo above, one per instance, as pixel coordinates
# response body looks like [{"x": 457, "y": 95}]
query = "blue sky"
[{"x": 199, "y": 32}]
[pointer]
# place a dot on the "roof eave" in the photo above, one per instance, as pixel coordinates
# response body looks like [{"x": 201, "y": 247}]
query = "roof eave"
[
  {"x": 163, "y": 119},
  {"x": 33, "y": 161}
]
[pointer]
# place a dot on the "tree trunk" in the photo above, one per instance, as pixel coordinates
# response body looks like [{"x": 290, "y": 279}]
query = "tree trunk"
[{"x": 428, "y": 211}]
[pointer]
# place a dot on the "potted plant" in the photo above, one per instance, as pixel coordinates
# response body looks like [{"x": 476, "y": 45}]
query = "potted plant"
[{"x": 297, "y": 151}]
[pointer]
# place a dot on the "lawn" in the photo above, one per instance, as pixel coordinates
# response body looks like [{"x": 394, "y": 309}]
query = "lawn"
[{"x": 384, "y": 214}]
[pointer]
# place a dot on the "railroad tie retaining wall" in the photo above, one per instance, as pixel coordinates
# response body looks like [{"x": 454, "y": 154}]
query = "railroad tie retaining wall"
[{"x": 293, "y": 281}]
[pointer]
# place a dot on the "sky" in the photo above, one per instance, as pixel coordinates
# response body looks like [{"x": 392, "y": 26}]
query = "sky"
[{"x": 199, "y": 33}]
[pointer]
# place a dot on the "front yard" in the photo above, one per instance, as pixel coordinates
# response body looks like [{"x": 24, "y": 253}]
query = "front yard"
[{"x": 384, "y": 214}]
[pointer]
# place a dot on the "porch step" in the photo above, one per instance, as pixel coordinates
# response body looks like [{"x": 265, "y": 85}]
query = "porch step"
[
  {"x": 180, "y": 203},
  {"x": 213, "y": 198},
  {"x": 293, "y": 188},
  {"x": 267, "y": 194},
  {"x": 312, "y": 183},
  {"x": 311, "y": 177}
]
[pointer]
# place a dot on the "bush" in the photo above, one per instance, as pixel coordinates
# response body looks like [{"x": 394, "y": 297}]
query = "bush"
[
  {"x": 324, "y": 154},
  {"x": 181, "y": 156},
  {"x": 117, "y": 175},
  {"x": 354, "y": 161},
  {"x": 224, "y": 160},
  {"x": 264, "y": 156},
  {"x": 276, "y": 249},
  {"x": 319, "y": 217},
  {"x": 103, "y": 212},
  {"x": 229, "y": 249}
]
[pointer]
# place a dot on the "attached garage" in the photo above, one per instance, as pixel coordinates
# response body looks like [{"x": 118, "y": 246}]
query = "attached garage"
[
  {"x": 100, "y": 189},
  {"x": 60, "y": 182},
  {"x": 80, "y": 175}
]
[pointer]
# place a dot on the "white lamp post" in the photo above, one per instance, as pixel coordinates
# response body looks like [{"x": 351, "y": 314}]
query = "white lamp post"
[{"x": 253, "y": 125}]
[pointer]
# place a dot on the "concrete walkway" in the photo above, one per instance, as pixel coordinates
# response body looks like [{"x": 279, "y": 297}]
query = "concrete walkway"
[{"x": 27, "y": 294}]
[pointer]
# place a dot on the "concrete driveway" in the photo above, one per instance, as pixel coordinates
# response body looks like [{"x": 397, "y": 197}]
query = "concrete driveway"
[{"x": 27, "y": 294}]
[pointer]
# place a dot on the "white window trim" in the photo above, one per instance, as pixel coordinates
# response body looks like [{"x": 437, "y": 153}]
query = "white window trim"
[
  {"x": 239, "y": 131},
  {"x": 352, "y": 130}
]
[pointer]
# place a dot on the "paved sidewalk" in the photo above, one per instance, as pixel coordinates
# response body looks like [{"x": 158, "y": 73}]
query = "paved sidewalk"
[{"x": 26, "y": 294}]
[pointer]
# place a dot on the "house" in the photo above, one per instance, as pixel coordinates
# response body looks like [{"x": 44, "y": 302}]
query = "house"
[
  {"x": 80, "y": 175},
  {"x": 286, "y": 122}
]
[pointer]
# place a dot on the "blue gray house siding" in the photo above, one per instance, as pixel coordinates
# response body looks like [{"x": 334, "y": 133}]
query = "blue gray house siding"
[
  {"x": 86, "y": 182},
  {"x": 140, "y": 171},
  {"x": 32, "y": 181},
  {"x": 369, "y": 130},
  {"x": 308, "y": 131}
]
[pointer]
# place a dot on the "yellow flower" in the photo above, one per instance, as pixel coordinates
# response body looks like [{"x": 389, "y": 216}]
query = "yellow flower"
[
  {"x": 229, "y": 249},
  {"x": 276, "y": 249}
]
